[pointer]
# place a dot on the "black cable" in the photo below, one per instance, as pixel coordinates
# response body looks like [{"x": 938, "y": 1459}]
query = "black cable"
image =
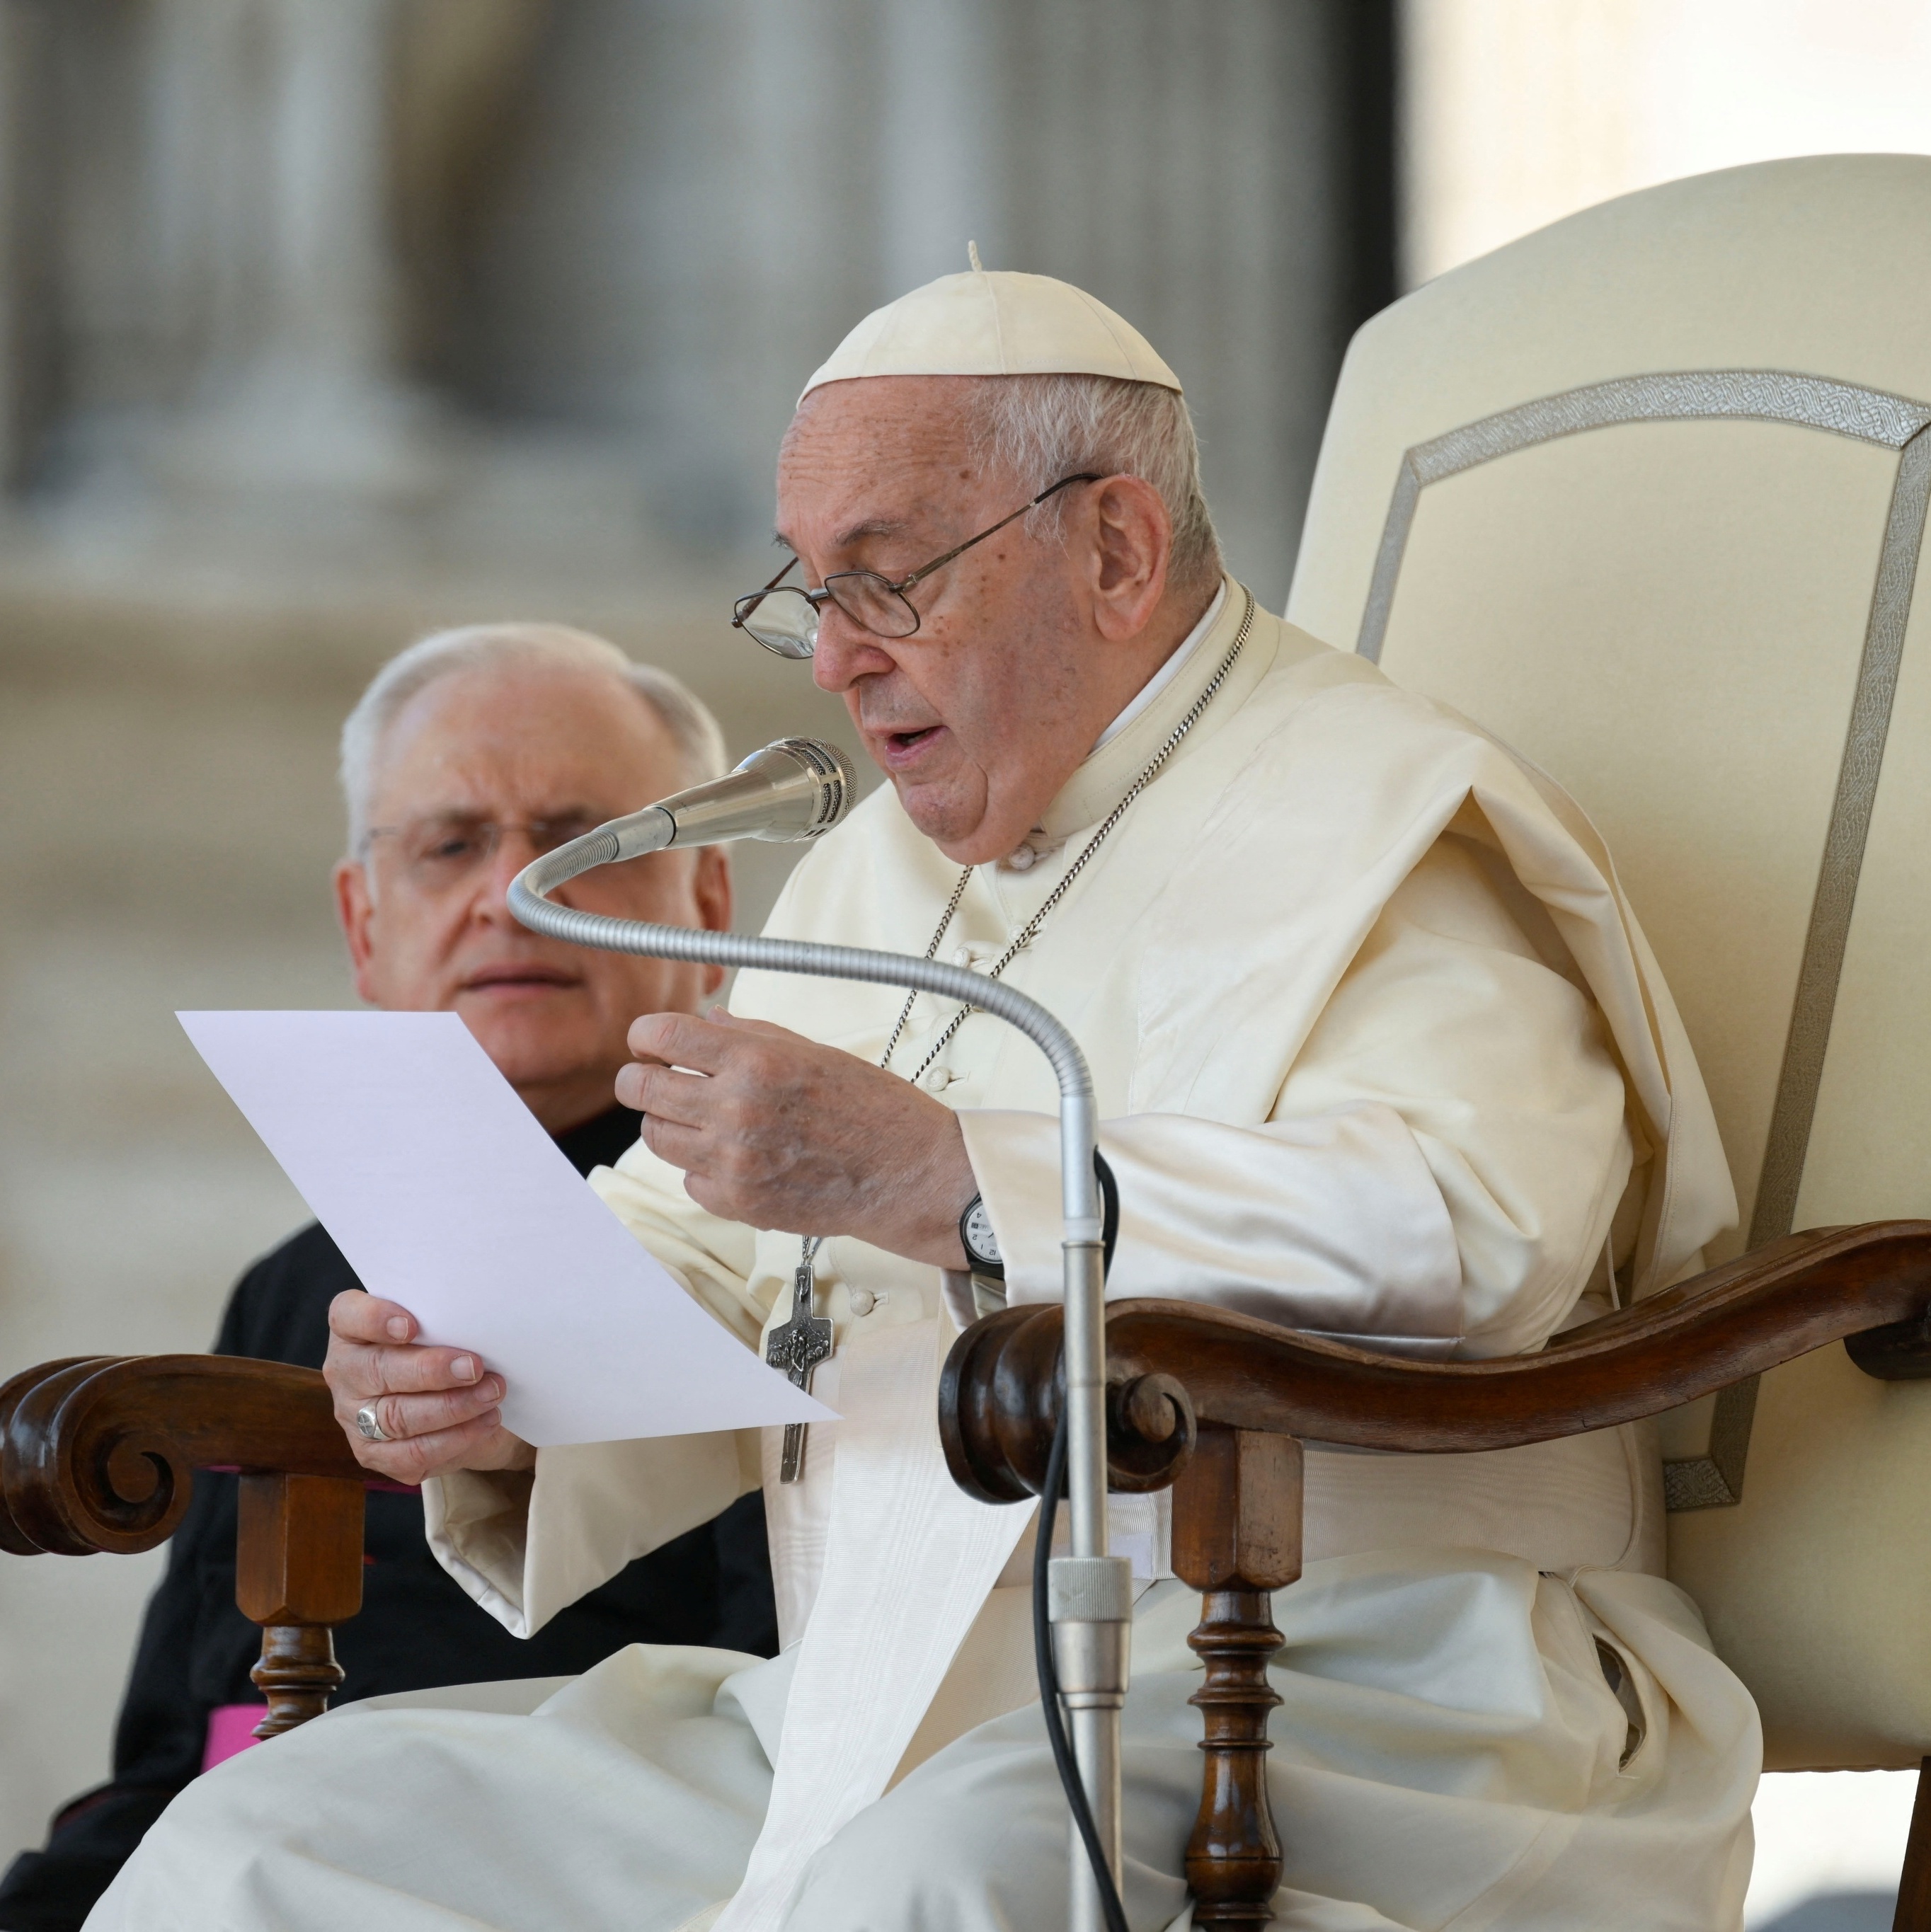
[
  {"x": 1111, "y": 1909},
  {"x": 1109, "y": 1213}
]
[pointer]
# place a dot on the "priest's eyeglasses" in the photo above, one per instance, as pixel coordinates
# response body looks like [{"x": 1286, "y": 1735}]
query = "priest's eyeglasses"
[
  {"x": 443, "y": 850},
  {"x": 783, "y": 617}
]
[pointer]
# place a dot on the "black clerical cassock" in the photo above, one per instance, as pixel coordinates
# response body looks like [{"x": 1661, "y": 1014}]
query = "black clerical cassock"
[{"x": 417, "y": 1628}]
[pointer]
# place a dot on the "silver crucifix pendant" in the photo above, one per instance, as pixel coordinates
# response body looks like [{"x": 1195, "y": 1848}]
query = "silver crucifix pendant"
[{"x": 797, "y": 1348}]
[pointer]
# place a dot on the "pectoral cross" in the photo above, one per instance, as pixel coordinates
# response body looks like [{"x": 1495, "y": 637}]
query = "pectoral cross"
[{"x": 797, "y": 1348}]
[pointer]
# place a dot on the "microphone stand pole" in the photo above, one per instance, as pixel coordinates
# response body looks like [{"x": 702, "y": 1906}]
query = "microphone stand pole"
[{"x": 1091, "y": 1592}]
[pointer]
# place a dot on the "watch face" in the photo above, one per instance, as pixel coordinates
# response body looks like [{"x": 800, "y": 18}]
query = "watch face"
[{"x": 981, "y": 1243}]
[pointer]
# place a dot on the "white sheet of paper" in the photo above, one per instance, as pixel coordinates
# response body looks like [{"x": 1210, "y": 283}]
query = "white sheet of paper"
[{"x": 445, "y": 1195}]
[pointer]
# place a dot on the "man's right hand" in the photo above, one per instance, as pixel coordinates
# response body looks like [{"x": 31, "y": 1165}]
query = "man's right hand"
[{"x": 438, "y": 1406}]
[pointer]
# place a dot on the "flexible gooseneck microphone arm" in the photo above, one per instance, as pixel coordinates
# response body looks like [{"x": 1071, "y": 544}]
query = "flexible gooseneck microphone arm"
[{"x": 1090, "y": 1591}]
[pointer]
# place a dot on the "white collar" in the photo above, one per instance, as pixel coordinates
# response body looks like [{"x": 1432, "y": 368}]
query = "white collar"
[{"x": 1167, "y": 672}]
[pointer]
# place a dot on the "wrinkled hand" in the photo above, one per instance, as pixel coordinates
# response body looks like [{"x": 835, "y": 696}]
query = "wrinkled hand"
[
  {"x": 776, "y": 1131},
  {"x": 439, "y": 1406}
]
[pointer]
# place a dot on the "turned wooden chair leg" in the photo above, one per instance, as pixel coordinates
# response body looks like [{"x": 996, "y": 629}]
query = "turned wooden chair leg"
[
  {"x": 1914, "y": 1889},
  {"x": 1236, "y": 1538},
  {"x": 298, "y": 1573}
]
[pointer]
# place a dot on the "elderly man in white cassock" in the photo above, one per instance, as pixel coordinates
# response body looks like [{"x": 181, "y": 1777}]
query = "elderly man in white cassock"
[{"x": 1381, "y": 1055}]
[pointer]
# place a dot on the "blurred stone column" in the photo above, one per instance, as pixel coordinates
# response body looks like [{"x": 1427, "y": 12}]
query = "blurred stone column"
[
  {"x": 278, "y": 122},
  {"x": 27, "y": 302},
  {"x": 1187, "y": 161},
  {"x": 941, "y": 176},
  {"x": 756, "y": 232}
]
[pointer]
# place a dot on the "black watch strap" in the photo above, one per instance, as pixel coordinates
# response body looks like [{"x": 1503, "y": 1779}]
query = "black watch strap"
[{"x": 980, "y": 1243}]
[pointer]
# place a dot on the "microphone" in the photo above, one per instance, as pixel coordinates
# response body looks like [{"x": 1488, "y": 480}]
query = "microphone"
[{"x": 795, "y": 789}]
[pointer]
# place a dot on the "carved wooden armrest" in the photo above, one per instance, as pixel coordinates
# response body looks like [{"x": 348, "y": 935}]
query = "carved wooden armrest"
[
  {"x": 98, "y": 1454},
  {"x": 1206, "y": 1401}
]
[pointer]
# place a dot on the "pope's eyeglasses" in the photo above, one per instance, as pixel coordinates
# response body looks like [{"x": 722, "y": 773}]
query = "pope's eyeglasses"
[{"x": 783, "y": 617}]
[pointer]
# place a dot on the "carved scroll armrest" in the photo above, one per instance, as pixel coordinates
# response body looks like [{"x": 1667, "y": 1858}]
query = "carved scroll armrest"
[
  {"x": 1207, "y": 1400},
  {"x": 98, "y": 1454},
  {"x": 998, "y": 1402}
]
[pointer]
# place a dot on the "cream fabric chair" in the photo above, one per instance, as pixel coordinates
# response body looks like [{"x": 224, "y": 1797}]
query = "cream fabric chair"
[{"x": 1645, "y": 493}]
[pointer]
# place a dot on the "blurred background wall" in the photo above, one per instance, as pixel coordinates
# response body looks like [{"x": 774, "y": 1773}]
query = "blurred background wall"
[
  {"x": 323, "y": 322},
  {"x": 1515, "y": 113}
]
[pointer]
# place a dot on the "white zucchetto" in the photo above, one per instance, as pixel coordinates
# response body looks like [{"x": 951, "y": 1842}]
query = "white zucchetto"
[{"x": 995, "y": 323}]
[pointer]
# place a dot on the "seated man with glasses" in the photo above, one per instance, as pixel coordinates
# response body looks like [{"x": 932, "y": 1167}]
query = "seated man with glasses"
[
  {"x": 1378, "y": 1052},
  {"x": 470, "y": 753}
]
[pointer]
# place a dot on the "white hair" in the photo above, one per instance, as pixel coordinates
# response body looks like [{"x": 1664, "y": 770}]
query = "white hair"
[
  {"x": 472, "y": 647},
  {"x": 1044, "y": 427}
]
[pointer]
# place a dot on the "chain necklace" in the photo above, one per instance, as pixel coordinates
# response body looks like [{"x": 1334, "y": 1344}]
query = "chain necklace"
[{"x": 803, "y": 1328}]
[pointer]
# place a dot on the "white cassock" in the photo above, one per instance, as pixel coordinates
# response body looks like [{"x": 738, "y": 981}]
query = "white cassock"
[{"x": 1382, "y": 1055}]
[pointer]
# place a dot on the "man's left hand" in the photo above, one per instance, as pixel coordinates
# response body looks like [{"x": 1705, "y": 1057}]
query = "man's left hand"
[{"x": 776, "y": 1131}]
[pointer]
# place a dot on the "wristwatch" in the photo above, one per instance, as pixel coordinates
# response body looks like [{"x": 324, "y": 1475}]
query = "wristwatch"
[{"x": 980, "y": 1243}]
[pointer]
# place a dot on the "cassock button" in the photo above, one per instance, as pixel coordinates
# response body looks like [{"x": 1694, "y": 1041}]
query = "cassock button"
[
  {"x": 935, "y": 1079},
  {"x": 1022, "y": 858},
  {"x": 864, "y": 1301}
]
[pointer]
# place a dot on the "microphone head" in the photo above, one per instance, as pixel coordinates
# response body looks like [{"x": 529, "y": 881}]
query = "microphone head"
[
  {"x": 830, "y": 787},
  {"x": 796, "y": 788}
]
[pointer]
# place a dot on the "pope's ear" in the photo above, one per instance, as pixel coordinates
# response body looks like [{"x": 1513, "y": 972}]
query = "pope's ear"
[
  {"x": 355, "y": 909},
  {"x": 1132, "y": 539}
]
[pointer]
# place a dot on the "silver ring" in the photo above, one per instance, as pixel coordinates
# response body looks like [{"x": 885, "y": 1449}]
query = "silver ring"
[{"x": 370, "y": 1424}]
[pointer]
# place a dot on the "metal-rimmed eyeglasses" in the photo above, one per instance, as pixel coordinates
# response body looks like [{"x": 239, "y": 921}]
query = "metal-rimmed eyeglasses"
[
  {"x": 442, "y": 850},
  {"x": 783, "y": 617}
]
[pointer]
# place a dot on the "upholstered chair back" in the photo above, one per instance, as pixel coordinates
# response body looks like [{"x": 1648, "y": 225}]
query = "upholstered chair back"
[{"x": 1645, "y": 494}]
